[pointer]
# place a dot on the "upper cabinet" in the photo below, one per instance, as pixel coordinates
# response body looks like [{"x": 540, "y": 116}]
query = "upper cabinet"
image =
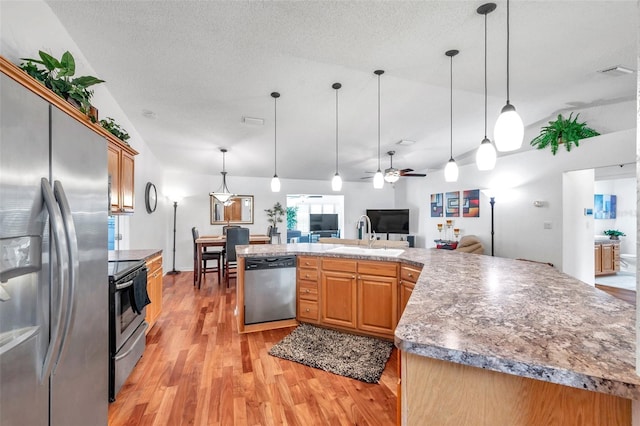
[
  {"x": 121, "y": 174},
  {"x": 120, "y": 155}
]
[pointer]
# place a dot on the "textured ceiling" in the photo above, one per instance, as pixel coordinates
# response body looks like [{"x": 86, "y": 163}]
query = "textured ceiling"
[{"x": 202, "y": 66}]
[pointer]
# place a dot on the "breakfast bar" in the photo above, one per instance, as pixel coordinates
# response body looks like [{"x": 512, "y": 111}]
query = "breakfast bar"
[{"x": 487, "y": 340}]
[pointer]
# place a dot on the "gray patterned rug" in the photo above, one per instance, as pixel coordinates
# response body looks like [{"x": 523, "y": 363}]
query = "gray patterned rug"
[{"x": 359, "y": 357}]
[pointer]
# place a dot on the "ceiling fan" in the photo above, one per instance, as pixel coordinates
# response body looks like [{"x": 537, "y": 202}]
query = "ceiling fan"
[{"x": 392, "y": 174}]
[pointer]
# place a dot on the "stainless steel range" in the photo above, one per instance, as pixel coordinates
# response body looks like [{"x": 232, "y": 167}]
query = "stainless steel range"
[{"x": 126, "y": 320}]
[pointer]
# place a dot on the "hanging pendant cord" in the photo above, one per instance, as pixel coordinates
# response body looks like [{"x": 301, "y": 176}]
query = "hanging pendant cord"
[
  {"x": 336, "y": 131},
  {"x": 378, "y": 122},
  {"x": 507, "y": 51},
  {"x": 451, "y": 109},
  {"x": 275, "y": 140},
  {"x": 485, "y": 76}
]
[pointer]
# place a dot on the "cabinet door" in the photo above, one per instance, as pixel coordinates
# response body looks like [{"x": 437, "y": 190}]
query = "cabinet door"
[
  {"x": 406, "y": 288},
  {"x": 126, "y": 176},
  {"x": 377, "y": 303},
  {"x": 113, "y": 166},
  {"x": 597, "y": 257},
  {"x": 339, "y": 298},
  {"x": 607, "y": 258}
]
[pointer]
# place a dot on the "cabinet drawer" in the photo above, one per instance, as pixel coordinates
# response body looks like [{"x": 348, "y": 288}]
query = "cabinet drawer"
[
  {"x": 308, "y": 274},
  {"x": 409, "y": 273},
  {"x": 307, "y": 262},
  {"x": 308, "y": 310},
  {"x": 340, "y": 265},
  {"x": 380, "y": 269},
  {"x": 154, "y": 263},
  {"x": 308, "y": 290}
]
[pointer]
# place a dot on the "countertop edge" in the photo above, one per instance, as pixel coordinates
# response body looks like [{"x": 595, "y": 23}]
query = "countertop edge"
[{"x": 135, "y": 254}]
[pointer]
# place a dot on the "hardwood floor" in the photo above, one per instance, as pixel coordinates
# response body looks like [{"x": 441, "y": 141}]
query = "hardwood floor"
[
  {"x": 620, "y": 293},
  {"x": 198, "y": 370}
]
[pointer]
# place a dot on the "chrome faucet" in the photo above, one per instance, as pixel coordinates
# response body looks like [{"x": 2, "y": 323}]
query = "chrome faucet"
[{"x": 370, "y": 232}]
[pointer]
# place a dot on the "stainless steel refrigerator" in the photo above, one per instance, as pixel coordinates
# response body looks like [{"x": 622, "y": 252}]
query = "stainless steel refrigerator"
[{"x": 53, "y": 265}]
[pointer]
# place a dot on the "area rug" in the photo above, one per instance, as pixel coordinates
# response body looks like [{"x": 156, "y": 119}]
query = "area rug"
[{"x": 359, "y": 357}]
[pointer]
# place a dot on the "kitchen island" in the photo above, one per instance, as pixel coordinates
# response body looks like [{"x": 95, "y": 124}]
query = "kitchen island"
[{"x": 488, "y": 340}]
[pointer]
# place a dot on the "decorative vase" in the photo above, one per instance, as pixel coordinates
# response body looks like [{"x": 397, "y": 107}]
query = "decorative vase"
[{"x": 613, "y": 237}]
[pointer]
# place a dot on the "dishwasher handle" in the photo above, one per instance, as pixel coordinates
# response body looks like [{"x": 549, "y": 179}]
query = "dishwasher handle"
[{"x": 260, "y": 263}]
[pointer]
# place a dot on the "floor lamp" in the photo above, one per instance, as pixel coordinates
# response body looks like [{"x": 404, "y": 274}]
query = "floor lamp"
[
  {"x": 173, "y": 271},
  {"x": 492, "y": 201}
]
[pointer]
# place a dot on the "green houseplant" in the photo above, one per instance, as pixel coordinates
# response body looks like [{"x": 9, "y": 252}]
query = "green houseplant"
[
  {"x": 614, "y": 234},
  {"x": 110, "y": 125},
  {"x": 56, "y": 76},
  {"x": 274, "y": 215},
  {"x": 563, "y": 130}
]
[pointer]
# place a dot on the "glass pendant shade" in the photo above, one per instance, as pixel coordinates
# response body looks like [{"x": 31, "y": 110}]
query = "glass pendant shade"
[
  {"x": 336, "y": 182},
  {"x": 223, "y": 194},
  {"x": 509, "y": 130},
  {"x": 392, "y": 177},
  {"x": 378, "y": 180},
  {"x": 451, "y": 171},
  {"x": 275, "y": 184},
  {"x": 486, "y": 156}
]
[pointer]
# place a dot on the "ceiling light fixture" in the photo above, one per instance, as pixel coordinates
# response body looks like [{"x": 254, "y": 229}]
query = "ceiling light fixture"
[
  {"x": 223, "y": 194},
  {"x": 509, "y": 130},
  {"x": 391, "y": 175},
  {"x": 451, "y": 169},
  {"x": 378, "y": 179},
  {"x": 486, "y": 154},
  {"x": 275, "y": 181},
  {"x": 336, "y": 182}
]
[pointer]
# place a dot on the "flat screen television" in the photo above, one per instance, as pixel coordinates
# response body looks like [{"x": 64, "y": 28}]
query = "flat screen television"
[
  {"x": 389, "y": 221},
  {"x": 323, "y": 222}
]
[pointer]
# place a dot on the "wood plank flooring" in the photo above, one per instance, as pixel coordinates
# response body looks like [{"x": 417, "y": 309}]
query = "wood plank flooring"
[
  {"x": 620, "y": 293},
  {"x": 198, "y": 370}
]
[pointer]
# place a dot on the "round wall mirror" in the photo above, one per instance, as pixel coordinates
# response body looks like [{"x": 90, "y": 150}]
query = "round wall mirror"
[{"x": 151, "y": 197}]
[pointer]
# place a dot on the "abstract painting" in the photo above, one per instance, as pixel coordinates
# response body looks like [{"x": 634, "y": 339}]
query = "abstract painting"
[
  {"x": 604, "y": 206},
  {"x": 436, "y": 205},
  {"x": 452, "y": 202},
  {"x": 471, "y": 203}
]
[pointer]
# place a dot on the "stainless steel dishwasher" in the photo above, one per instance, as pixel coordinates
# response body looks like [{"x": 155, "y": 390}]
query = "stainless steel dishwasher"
[{"x": 269, "y": 289}]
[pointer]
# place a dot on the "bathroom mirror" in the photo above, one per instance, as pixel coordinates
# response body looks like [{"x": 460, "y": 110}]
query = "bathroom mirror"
[{"x": 239, "y": 209}]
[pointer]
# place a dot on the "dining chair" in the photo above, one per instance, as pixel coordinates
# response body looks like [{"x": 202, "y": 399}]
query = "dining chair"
[
  {"x": 202, "y": 269},
  {"x": 235, "y": 236}
]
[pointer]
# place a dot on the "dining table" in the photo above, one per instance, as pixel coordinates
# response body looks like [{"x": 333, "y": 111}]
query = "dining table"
[{"x": 220, "y": 241}]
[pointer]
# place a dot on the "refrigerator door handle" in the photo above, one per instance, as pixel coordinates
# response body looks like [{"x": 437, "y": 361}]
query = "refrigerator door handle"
[
  {"x": 74, "y": 265},
  {"x": 60, "y": 243}
]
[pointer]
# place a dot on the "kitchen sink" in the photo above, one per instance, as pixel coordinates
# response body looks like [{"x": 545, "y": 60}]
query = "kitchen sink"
[{"x": 367, "y": 251}]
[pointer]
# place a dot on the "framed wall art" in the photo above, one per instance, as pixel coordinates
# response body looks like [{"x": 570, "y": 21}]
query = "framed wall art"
[
  {"x": 436, "y": 205},
  {"x": 452, "y": 203}
]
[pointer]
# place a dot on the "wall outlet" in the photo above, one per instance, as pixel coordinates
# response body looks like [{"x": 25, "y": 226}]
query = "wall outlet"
[
  {"x": 547, "y": 225},
  {"x": 118, "y": 237}
]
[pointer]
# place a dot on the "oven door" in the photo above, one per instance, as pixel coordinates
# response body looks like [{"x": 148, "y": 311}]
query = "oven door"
[{"x": 126, "y": 320}]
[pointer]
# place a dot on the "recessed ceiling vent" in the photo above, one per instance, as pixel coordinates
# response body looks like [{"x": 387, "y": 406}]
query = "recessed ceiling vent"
[
  {"x": 251, "y": 121},
  {"x": 617, "y": 70}
]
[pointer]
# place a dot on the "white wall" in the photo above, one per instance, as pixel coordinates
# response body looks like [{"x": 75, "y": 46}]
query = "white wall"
[
  {"x": 625, "y": 221},
  {"x": 577, "y": 229},
  {"x": 194, "y": 209},
  {"x": 518, "y": 180}
]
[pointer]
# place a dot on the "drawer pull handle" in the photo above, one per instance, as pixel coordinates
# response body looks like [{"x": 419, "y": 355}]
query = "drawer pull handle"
[
  {"x": 307, "y": 290},
  {"x": 307, "y": 310},
  {"x": 410, "y": 274}
]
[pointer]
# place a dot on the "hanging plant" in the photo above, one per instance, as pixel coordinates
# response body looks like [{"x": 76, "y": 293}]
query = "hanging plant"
[
  {"x": 56, "y": 76},
  {"x": 110, "y": 125},
  {"x": 565, "y": 131}
]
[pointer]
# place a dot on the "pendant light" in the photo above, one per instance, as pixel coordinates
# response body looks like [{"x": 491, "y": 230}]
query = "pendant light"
[
  {"x": 486, "y": 154},
  {"x": 336, "y": 182},
  {"x": 223, "y": 194},
  {"x": 509, "y": 130},
  {"x": 275, "y": 182},
  {"x": 451, "y": 169},
  {"x": 378, "y": 178}
]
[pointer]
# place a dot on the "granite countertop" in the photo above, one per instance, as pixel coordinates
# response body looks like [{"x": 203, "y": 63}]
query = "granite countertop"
[
  {"x": 510, "y": 316},
  {"x": 139, "y": 254}
]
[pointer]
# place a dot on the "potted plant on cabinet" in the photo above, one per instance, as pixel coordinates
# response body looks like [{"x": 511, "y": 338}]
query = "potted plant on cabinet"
[
  {"x": 565, "y": 131},
  {"x": 614, "y": 234},
  {"x": 274, "y": 216},
  {"x": 110, "y": 125},
  {"x": 56, "y": 76}
]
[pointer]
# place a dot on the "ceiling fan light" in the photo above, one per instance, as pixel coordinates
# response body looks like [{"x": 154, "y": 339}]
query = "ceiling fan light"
[
  {"x": 336, "y": 182},
  {"x": 275, "y": 184},
  {"x": 486, "y": 155},
  {"x": 378, "y": 180},
  {"x": 392, "y": 176},
  {"x": 509, "y": 130},
  {"x": 451, "y": 171}
]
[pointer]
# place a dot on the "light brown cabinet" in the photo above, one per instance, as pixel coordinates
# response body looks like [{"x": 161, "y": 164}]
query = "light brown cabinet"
[
  {"x": 408, "y": 277},
  {"x": 154, "y": 289},
  {"x": 606, "y": 258},
  {"x": 307, "y": 285},
  {"x": 121, "y": 171}
]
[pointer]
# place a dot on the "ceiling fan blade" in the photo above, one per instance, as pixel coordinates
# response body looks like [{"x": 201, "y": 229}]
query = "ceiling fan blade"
[
  {"x": 414, "y": 175},
  {"x": 405, "y": 171},
  {"x": 366, "y": 177}
]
